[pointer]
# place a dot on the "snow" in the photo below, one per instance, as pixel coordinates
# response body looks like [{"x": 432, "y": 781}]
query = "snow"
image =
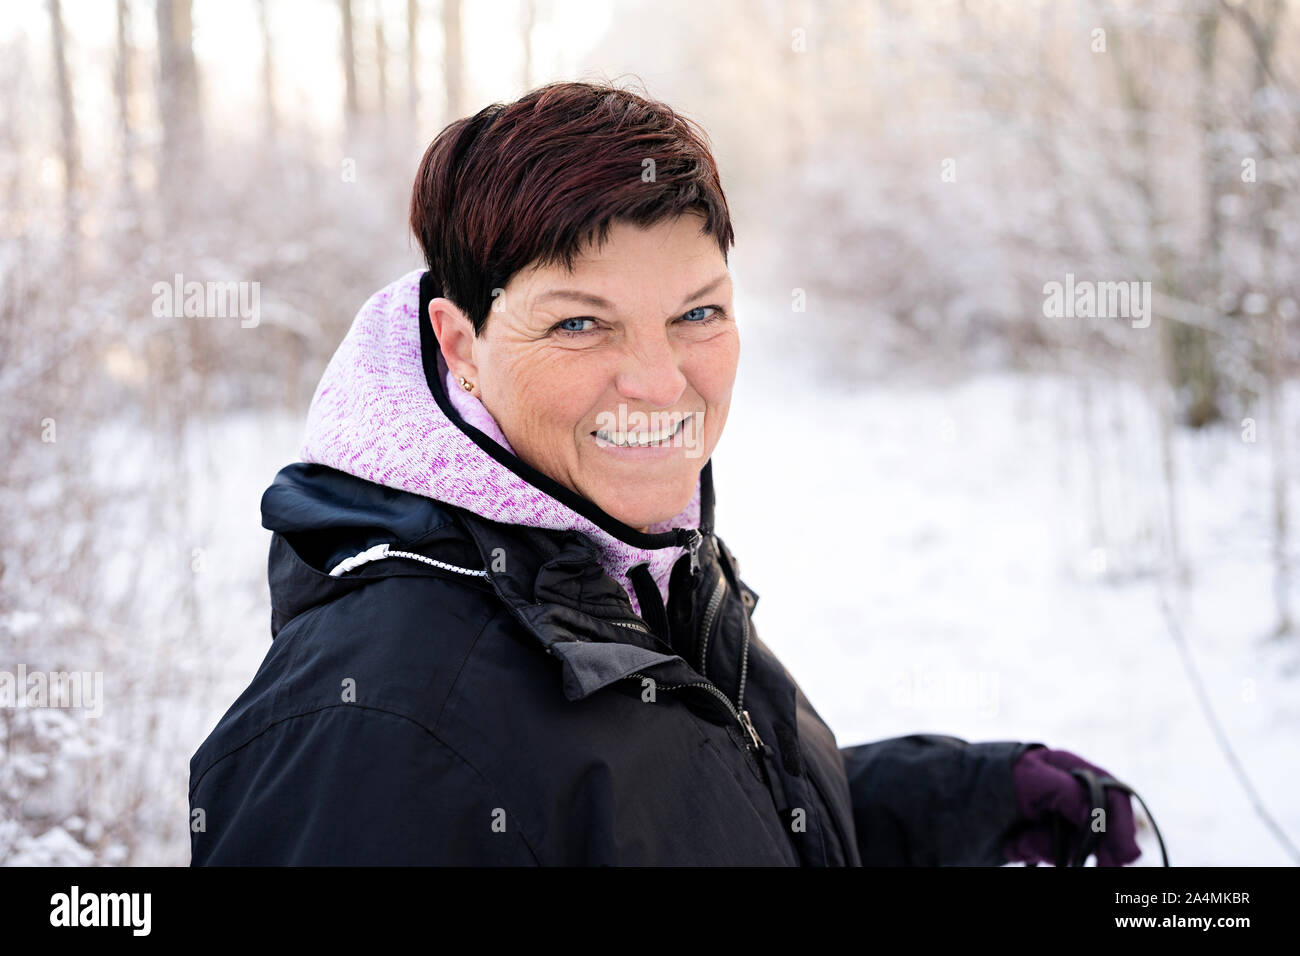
[
  {"x": 924, "y": 563},
  {"x": 55, "y": 847}
]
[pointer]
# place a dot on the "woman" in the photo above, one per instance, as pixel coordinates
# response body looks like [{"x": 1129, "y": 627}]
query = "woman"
[{"x": 504, "y": 628}]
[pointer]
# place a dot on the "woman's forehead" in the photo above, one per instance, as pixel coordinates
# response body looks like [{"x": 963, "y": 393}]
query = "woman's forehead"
[{"x": 672, "y": 267}]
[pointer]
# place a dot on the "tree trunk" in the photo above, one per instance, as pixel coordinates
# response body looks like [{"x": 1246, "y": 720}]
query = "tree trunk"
[
  {"x": 268, "y": 70},
  {"x": 69, "y": 148},
  {"x": 412, "y": 59},
  {"x": 1158, "y": 257},
  {"x": 122, "y": 90},
  {"x": 1193, "y": 350},
  {"x": 178, "y": 102},
  {"x": 452, "y": 65},
  {"x": 381, "y": 64},
  {"x": 350, "y": 108},
  {"x": 1263, "y": 35}
]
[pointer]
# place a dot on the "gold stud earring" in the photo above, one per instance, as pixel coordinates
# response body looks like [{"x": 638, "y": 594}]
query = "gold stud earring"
[{"x": 467, "y": 386}]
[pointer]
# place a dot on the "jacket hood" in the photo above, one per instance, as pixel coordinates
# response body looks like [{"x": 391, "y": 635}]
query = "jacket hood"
[{"x": 387, "y": 411}]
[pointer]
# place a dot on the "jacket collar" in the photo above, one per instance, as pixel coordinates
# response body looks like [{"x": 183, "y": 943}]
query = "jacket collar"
[
  {"x": 554, "y": 586},
  {"x": 551, "y": 581}
]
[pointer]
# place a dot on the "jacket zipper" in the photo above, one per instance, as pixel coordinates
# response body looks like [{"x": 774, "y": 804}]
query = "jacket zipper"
[
  {"x": 744, "y": 656},
  {"x": 754, "y": 744},
  {"x": 756, "y": 752},
  {"x": 714, "y": 603},
  {"x": 693, "y": 543}
]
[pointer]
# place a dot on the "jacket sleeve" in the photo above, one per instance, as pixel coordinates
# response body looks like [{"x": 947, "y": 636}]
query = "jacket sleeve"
[
  {"x": 932, "y": 800},
  {"x": 349, "y": 785}
]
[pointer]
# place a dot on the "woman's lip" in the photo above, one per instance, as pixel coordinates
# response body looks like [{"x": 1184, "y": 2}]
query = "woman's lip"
[
  {"x": 677, "y": 430},
  {"x": 659, "y": 450}
]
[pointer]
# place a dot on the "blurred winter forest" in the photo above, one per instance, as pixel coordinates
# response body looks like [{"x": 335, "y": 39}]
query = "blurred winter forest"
[{"x": 1095, "y": 505}]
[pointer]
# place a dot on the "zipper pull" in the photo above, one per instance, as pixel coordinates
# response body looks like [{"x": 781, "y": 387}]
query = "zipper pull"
[
  {"x": 693, "y": 548},
  {"x": 749, "y": 729}
]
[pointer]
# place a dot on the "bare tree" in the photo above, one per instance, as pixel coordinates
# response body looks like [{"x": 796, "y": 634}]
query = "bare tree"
[
  {"x": 1265, "y": 117},
  {"x": 412, "y": 58},
  {"x": 1158, "y": 259},
  {"x": 1194, "y": 351},
  {"x": 350, "y": 106},
  {"x": 178, "y": 100},
  {"x": 69, "y": 148},
  {"x": 453, "y": 69},
  {"x": 381, "y": 63},
  {"x": 122, "y": 90},
  {"x": 268, "y": 68}
]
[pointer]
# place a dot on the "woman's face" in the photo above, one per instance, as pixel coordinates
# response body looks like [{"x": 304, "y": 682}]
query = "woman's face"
[{"x": 615, "y": 379}]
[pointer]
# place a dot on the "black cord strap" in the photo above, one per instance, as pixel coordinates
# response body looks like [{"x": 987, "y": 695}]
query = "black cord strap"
[{"x": 1097, "y": 786}]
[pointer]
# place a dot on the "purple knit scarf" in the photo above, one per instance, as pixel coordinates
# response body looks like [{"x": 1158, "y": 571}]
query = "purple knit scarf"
[{"x": 374, "y": 417}]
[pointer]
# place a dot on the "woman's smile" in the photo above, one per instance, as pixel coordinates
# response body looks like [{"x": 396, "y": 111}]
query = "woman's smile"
[{"x": 647, "y": 443}]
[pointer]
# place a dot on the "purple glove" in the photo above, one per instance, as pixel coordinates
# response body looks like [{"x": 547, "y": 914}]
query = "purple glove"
[{"x": 1049, "y": 796}]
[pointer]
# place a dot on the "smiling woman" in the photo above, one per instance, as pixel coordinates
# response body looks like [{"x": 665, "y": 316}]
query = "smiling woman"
[
  {"x": 636, "y": 234},
  {"x": 505, "y": 630},
  {"x": 648, "y": 354}
]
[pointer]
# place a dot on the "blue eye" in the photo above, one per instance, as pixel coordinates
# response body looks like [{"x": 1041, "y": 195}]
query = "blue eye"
[
  {"x": 561, "y": 326},
  {"x": 703, "y": 320},
  {"x": 695, "y": 316}
]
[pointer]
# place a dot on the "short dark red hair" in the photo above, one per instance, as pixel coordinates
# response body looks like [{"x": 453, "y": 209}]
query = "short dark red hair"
[{"x": 533, "y": 181}]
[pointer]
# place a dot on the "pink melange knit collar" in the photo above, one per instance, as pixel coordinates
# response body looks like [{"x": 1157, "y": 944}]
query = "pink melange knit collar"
[{"x": 374, "y": 416}]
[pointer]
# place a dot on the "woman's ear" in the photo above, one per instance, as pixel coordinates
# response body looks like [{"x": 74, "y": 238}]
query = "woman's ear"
[{"x": 455, "y": 334}]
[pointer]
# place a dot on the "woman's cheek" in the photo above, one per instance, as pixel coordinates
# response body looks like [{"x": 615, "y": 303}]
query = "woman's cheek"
[{"x": 718, "y": 371}]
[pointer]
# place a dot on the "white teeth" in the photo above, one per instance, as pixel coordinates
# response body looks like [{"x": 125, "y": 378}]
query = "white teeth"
[{"x": 638, "y": 440}]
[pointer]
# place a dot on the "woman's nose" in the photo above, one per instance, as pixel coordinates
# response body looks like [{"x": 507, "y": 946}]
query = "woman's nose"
[{"x": 651, "y": 372}]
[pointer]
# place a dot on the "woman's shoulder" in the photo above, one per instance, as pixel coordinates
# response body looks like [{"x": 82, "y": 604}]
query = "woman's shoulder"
[
  {"x": 335, "y": 752},
  {"x": 392, "y": 641},
  {"x": 378, "y": 598}
]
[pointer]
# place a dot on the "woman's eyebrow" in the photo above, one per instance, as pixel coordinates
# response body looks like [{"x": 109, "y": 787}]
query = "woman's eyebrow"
[{"x": 589, "y": 298}]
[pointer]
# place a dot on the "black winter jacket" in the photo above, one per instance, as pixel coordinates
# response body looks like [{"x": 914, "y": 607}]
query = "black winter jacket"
[{"x": 518, "y": 712}]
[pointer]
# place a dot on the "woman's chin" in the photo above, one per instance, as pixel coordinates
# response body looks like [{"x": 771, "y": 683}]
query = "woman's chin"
[{"x": 641, "y": 512}]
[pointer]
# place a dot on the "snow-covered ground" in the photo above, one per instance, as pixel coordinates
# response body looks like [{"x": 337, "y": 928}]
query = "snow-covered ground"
[
  {"x": 927, "y": 560},
  {"x": 951, "y": 558}
]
